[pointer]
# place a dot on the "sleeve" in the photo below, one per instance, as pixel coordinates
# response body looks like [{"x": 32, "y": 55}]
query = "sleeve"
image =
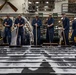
[
  {"x": 23, "y": 21},
  {"x": 3, "y": 22},
  {"x": 52, "y": 20},
  {"x": 11, "y": 23},
  {"x": 15, "y": 21},
  {"x": 40, "y": 23},
  {"x": 73, "y": 25},
  {"x": 67, "y": 24},
  {"x": 33, "y": 22}
]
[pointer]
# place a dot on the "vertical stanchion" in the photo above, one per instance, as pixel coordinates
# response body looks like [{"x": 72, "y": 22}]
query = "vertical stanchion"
[{"x": 36, "y": 35}]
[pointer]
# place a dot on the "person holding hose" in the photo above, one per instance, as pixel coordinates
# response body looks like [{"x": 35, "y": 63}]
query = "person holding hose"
[
  {"x": 74, "y": 31},
  {"x": 7, "y": 23},
  {"x": 19, "y": 22}
]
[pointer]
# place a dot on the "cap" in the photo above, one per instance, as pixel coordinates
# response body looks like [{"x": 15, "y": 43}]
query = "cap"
[
  {"x": 19, "y": 15},
  {"x": 7, "y": 15},
  {"x": 63, "y": 14},
  {"x": 36, "y": 15},
  {"x": 50, "y": 14}
]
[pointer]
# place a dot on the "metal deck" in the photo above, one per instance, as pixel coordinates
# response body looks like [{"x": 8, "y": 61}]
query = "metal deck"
[{"x": 56, "y": 60}]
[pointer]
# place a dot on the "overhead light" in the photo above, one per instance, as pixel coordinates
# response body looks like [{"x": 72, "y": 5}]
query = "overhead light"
[
  {"x": 37, "y": 2},
  {"x": 47, "y": 2},
  {"x": 30, "y": 2}
]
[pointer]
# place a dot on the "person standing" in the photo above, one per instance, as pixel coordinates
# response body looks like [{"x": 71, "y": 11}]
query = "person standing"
[
  {"x": 7, "y": 23},
  {"x": 19, "y": 22},
  {"x": 36, "y": 23},
  {"x": 74, "y": 29},
  {"x": 66, "y": 24},
  {"x": 50, "y": 29}
]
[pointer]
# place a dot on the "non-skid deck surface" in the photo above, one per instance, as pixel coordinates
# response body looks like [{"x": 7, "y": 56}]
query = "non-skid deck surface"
[{"x": 56, "y": 60}]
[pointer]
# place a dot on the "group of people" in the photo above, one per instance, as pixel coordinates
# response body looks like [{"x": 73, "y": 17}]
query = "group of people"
[
  {"x": 37, "y": 23},
  {"x": 50, "y": 28},
  {"x": 19, "y": 23}
]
